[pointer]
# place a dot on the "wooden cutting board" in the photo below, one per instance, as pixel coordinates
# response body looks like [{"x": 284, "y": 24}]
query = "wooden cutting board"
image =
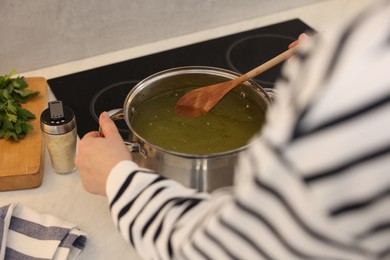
[{"x": 21, "y": 162}]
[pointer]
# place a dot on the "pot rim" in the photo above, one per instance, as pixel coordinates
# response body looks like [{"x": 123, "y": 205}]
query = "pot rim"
[{"x": 178, "y": 70}]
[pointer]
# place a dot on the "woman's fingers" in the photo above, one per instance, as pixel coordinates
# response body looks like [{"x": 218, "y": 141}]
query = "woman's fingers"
[
  {"x": 301, "y": 38},
  {"x": 93, "y": 134},
  {"x": 108, "y": 126}
]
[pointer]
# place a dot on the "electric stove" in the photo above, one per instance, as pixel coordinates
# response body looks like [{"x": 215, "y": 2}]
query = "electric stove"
[{"x": 93, "y": 91}]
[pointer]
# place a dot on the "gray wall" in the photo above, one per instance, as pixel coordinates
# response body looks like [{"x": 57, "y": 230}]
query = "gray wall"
[{"x": 40, "y": 33}]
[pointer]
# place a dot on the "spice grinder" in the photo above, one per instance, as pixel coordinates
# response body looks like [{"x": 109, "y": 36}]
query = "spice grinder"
[{"x": 58, "y": 124}]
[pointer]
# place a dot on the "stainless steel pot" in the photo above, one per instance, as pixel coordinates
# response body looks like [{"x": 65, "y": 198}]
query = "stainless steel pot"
[{"x": 202, "y": 172}]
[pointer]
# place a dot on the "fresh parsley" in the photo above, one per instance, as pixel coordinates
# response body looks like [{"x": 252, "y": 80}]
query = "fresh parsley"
[{"x": 14, "y": 120}]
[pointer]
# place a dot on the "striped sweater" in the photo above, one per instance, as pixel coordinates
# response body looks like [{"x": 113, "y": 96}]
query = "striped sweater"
[{"x": 315, "y": 186}]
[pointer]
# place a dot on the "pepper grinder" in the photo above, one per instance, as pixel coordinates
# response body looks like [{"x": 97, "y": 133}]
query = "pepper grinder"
[{"x": 58, "y": 124}]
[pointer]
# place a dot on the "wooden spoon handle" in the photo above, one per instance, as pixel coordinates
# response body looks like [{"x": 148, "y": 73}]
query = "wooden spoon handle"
[{"x": 269, "y": 64}]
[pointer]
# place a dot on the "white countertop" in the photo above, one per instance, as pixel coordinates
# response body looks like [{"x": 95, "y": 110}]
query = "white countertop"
[{"x": 63, "y": 195}]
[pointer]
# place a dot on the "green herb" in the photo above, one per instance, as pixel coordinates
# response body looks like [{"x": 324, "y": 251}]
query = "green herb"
[{"x": 14, "y": 120}]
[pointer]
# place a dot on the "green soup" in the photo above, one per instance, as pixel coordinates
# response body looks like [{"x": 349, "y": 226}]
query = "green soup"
[{"x": 228, "y": 126}]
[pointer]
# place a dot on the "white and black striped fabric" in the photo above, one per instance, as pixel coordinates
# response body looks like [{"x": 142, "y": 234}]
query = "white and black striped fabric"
[
  {"x": 28, "y": 235},
  {"x": 315, "y": 186}
]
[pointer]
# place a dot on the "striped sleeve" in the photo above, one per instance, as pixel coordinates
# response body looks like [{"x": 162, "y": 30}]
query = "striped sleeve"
[{"x": 315, "y": 186}]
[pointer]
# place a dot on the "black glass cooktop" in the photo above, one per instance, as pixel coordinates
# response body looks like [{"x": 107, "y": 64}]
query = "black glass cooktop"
[{"x": 93, "y": 91}]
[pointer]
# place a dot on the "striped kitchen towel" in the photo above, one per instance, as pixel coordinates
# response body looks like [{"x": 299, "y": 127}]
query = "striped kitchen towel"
[{"x": 26, "y": 234}]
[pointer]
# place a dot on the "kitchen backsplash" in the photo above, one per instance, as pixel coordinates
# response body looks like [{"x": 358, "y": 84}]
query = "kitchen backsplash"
[{"x": 42, "y": 33}]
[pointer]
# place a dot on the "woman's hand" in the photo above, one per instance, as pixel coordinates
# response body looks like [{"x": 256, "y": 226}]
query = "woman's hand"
[
  {"x": 98, "y": 155},
  {"x": 301, "y": 38}
]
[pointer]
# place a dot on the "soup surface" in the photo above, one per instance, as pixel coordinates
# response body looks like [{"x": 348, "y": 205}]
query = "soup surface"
[{"x": 228, "y": 126}]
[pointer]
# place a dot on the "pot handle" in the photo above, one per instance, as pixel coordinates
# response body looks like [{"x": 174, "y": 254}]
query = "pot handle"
[
  {"x": 117, "y": 114},
  {"x": 272, "y": 93}
]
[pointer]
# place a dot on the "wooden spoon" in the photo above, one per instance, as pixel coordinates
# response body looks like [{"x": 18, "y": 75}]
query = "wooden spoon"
[{"x": 201, "y": 100}]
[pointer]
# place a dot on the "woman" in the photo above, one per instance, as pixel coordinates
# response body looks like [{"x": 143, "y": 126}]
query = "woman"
[{"x": 315, "y": 186}]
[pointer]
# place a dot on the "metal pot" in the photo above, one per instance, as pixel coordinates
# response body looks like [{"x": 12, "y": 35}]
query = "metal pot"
[{"x": 202, "y": 172}]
